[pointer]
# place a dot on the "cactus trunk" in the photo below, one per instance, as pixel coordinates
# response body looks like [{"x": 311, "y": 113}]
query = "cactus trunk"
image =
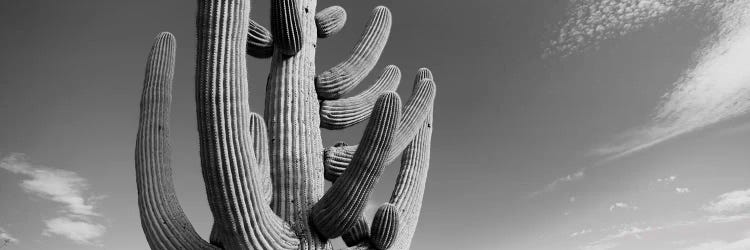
[
  {"x": 291, "y": 112},
  {"x": 265, "y": 176}
]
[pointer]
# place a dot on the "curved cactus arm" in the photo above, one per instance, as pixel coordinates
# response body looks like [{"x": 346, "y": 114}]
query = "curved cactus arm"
[
  {"x": 338, "y": 157},
  {"x": 385, "y": 226},
  {"x": 286, "y": 26},
  {"x": 359, "y": 233},
  {"x": 343, "y": 113},
  {"x": 342, "y": 78},
  {"x": 162, "y": 218},
  {"x": 330, "y": 21},
  {"x": 233, "y": 186},
  {"x": 260, "y": 147},
  {"x": 259, "y": 41},
  {"x": 342, "y": 204},
  {"x": 410, "y": 184}
]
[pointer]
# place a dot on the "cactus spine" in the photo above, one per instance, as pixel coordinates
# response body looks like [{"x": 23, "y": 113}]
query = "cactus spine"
[{"x": 264, "y": 175}]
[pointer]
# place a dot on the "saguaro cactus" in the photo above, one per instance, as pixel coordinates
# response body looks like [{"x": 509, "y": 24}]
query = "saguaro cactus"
[{"x": 265, "y": 175}]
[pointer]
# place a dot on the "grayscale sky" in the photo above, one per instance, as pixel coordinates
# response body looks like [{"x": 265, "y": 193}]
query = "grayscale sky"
[{"x": 559, "y": 124}]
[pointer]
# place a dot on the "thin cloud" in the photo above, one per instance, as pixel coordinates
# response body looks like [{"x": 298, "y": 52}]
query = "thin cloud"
[
  {"x": 622, "y": 205},
  {"x": 79, "y": 231},
  {"x": 728, "y": 218},
  {"x": 725, "y": 209},
  {"x": 715, "y": 89},
  {"x": 591, "y": 22},
  {"x": 7, "y": 237},
  {"x": 66, "y": 188},
  {"x": 682, "y": 190},
  {"x": 667, "y": 180},
  {"x": 741, "y": 244},
  {"x": 731, "y": 202},
  {"x": 580, "y": 233},
  {"x": 552, "y": 186}
]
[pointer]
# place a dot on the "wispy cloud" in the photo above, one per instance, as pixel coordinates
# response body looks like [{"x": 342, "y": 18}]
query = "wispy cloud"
[
  {"x": 730, "y": 207},
  {"x": 66, "y": 188},
  {"x": 731, "y": 202},
  {"x": 667, "y": 180},
  {"x": 79, "y": 231},
  {"x": 622, "y": 205},
  {"x": 590, "y": 22},
  {"x": 741, "y": 244},
  {"x": 580, "y": 233},
  {"x": 715, "y": 89},
  {"x": 7, "y": 237},
  {"x": 682, "y": 190},
  {"x": 560, "y": 181}
]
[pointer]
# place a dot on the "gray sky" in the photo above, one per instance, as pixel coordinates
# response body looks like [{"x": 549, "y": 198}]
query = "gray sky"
[{"x": 589, "y": 124}]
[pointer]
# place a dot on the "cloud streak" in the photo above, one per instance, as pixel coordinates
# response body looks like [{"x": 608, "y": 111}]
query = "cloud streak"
[
  {"x": 5, "y": 237},
  {"x": 622, "y": 205},
  {"x": 731, "y": 202},
  {"x": 552, "y": 186},
  {"x": 715, "y": 89},
  {"x": 63, "y": 187}
]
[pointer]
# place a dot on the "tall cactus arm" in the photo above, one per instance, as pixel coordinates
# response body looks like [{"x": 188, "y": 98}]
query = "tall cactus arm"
[
  {"x": 359, "y": 233},
  {"x": 245, "y": 221},
  {"x": 410, "y": 184},
  {"x": 286, "y": 26},
  {"x": 342, "y": 78},
  {"x": 260, "y": 147},
  {"x": 385, "y": 226},
  {"x": 330, "y": 21},
  {"x": 343, "y": 113},
  {"x": 342, "y": 204},
  {"x": 259, "y": 41},
  {"x": 162, "y": 218},
  {"x": 406, "y": 199},
  {"x": 337, "y": 158}
]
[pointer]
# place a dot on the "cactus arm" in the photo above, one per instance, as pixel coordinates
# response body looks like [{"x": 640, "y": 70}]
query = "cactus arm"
[
  {"x": 286, "y": 26},
  {"x": 361, "y": 246},
  {"x": 338, "y": 157},
  {"x": 162, "y": 218},
  {"x": 385, "y": 226},
  {"x": 342, "y": 204},
  {"x": 330, "y": 21},
  {"x": 410, "y": 184},
  {"x": 359, "y": 233},
  {"x": 343, "y": 113},
  {"x": 259, "y": 41},
  {"x": 342, "y": 78},
  {"x": 260, "y": 148},
  {"x": 334, "y": 165},
  {"x": 227, "y": 160}
]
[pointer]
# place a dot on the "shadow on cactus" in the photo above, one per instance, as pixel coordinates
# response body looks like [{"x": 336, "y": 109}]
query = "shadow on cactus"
[{"x": 265, "y": 176}]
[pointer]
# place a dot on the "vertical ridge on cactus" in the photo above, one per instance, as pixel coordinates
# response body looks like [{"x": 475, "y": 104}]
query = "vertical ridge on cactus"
[
  {"x": 342, "y": 78},
  {"x": 264, "y": 176}
]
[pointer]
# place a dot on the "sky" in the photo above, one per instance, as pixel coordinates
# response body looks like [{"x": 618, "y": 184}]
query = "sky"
[{"x": 559, "y": 124}]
